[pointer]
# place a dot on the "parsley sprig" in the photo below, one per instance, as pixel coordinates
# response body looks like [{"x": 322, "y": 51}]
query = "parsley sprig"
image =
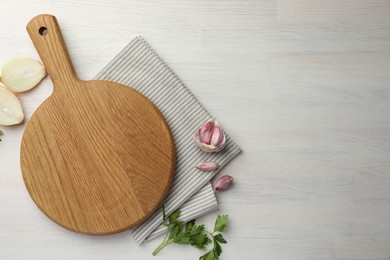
[
  {"x": 1, "y": 133},
  {"x": 192, "y": 234}
]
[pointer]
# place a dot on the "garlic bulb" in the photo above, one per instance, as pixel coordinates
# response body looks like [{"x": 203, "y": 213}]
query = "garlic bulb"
[
  {"x": 210, "y": 137},
  {"x": 11, "y": 112},
  {"x": 20, "y": 74}
]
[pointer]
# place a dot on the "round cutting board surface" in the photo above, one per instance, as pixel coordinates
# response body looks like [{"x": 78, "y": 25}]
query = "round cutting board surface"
[{"x": 97, "y": 157}]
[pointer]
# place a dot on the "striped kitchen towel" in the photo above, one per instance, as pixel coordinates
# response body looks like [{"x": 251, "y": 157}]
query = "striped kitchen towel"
[{"x": 140, "y": 67}]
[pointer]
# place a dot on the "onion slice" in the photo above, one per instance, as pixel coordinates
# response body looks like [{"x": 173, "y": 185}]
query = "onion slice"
[
  {"x": 11, "y": 112},
  {"x": 20, "y": 74}
]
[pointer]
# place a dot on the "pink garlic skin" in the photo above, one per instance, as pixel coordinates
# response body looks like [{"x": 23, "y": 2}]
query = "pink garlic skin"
[
  {"x": 210, "y": 137},
  {"x": 207, "y": 166},
  {"x": 223, "y": 183}
]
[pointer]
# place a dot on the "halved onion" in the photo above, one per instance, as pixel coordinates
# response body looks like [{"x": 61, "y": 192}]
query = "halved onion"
[
  {"x": 11, "y": 112},
  {"x": 20, "y": 74}
]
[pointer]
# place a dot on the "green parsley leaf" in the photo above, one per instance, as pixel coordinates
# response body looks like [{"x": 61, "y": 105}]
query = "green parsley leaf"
[
  {"x": 196, "y": 229},
  {"x": 208, "y": 256},
  {"x": 221, "y": 223},
  {"x": 173, "y": 217},
  {"x": 184, "y": 241},
  {"x": 217, "y": 248},
  {"x": 220, "y": 239},
  {"x": 176, "y": 230},
  {"x": 200, "y": 240},
  {"x": 179, "y": 236},
  {"x": 189, "y": 225}
]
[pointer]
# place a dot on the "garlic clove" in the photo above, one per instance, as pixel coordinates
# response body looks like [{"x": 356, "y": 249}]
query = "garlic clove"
[
  {"x": 206, "y": 132},
  {"x": 217, "y": 136},
  {"x": 11, "y": 112},
  {"x": 221, "y": 145},
  {"x": 208, "y": 166},
  {"x": 223, "y": 183},
  {"x": 204, "y": 147},
  {"x": 20, "y": 74}
]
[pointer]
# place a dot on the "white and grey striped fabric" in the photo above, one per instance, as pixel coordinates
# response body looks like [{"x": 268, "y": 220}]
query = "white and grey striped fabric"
[{"x": 140, "y": 67}]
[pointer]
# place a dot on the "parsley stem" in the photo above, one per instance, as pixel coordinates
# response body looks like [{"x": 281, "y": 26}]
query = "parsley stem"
[
  {"x": 211, "y": 234},
  {"x": 161, "y": 246}
]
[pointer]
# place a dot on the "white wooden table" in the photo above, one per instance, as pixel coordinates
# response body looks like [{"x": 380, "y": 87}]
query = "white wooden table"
[{"x": 302, "y": 85}]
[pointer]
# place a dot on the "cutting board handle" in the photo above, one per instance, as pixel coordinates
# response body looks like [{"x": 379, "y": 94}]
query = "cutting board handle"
[{"x": 46, "y": 35}]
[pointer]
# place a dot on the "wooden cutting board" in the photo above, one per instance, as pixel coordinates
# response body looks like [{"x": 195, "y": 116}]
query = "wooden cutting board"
[{"x": 97, "y": 157}]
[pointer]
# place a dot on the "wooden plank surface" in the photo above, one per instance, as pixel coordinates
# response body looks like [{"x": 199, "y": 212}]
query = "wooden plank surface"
[{"x": 302, "y": 86}]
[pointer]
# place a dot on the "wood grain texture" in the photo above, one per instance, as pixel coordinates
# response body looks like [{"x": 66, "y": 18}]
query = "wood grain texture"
[
  {"x": 97, "y": 157},
  {"x": 302, "y": 86}
]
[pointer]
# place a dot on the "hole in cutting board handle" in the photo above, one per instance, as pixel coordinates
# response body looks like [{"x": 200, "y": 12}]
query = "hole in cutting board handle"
[{"x": 43, "y": 31}]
